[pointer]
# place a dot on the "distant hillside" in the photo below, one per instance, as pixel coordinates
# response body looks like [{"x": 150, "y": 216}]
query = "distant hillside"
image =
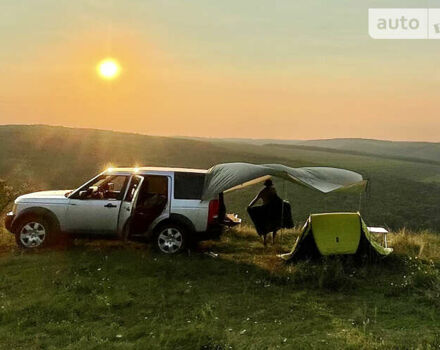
[
  {"x": 426, "y": 151},
  {"x": 401, "y": 193},
  {"x": 60, "y": 156}
]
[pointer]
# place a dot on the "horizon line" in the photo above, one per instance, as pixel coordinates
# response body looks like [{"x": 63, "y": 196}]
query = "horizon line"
[{"x": 216, "y": 137}]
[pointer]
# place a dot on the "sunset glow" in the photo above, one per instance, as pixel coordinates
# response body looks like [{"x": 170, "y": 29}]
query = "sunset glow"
[{"x": 258, "y": 71}]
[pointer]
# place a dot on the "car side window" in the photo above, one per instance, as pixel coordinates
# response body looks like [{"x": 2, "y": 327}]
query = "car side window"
[{"x": 188, "y": 185}]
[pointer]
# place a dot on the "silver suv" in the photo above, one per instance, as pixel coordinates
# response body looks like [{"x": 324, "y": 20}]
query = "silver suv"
[{"x": 162, "y": 204}]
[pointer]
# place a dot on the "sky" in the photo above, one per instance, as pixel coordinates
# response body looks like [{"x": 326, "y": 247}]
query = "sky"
[{"x": 232, "y": 68}]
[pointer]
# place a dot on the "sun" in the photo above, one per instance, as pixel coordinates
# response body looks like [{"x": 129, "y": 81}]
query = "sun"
[{"x": 108, "y": 68}]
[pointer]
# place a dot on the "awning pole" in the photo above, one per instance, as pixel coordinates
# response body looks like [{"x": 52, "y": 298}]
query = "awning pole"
[{"x": 282, "y": 212}]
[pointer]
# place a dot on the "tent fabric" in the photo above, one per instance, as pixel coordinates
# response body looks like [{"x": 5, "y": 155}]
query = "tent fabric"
[
  {"x": 335, "y": 234},
  {"x": 231, "y": 176}
]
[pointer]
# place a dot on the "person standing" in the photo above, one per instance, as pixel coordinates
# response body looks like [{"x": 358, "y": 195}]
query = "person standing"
[{"x": 267, "y": 217}]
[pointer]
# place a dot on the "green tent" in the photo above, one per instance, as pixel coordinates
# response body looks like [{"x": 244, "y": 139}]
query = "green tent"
[{"x": 335, "y": 234}]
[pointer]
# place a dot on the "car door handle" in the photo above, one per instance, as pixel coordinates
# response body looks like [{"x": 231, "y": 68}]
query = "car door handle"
[{"x": 109, "y": 205}]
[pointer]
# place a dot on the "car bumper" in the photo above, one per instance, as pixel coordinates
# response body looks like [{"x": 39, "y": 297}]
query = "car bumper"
[{"x": 8, "y": 221}]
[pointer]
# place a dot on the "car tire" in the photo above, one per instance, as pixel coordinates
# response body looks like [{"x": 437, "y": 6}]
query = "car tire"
[
  {"x": 34, "y": 231},
  {"x": 171, "y": 238}
]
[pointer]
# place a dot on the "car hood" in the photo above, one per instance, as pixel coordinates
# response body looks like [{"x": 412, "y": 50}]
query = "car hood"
[{"x": 44, "y": 196}]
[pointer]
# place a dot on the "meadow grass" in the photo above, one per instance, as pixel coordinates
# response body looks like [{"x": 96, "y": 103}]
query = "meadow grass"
[{"x": 107, "y": 294}]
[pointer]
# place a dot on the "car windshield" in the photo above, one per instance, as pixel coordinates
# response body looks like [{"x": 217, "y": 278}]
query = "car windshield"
[{"x": 103, "y": 187}]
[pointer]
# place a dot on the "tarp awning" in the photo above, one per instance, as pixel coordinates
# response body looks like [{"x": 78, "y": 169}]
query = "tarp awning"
[{"x": 231, "y": 176}]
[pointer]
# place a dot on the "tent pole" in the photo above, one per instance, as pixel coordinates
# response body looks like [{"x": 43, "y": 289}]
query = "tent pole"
[
  {"x": 282, "y": 212},
  {"x": 367, "y": 186},
  {"x": 367, "y": 195}
]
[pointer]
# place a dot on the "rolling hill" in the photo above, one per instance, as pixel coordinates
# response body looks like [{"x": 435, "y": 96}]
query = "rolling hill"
[
  {"x": 427, "y": 152},
  {"x": 403, "y": 192},
  {"x": 398, "y": 149},
  {"x": 423, "y": 152}
]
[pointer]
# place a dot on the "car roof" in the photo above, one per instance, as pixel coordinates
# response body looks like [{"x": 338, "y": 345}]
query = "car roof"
[{"x": 140, "y": 170}]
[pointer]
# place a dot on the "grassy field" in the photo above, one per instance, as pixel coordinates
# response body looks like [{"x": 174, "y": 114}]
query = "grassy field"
[{"x": 106, "y": 294}]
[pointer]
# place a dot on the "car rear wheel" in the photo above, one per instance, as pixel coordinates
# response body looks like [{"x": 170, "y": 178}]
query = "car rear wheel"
[
  {"x": 33, "y": 232},
  {"x": 171, "y": 239}
]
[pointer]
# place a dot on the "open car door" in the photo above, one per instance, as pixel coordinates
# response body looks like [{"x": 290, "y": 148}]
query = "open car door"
[{"x": 129, "y": 204}]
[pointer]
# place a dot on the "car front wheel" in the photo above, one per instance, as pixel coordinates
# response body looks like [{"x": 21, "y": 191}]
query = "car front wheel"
[
  {"x": 171, "y": 239},
  {"x": 33, "y": 232}
]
